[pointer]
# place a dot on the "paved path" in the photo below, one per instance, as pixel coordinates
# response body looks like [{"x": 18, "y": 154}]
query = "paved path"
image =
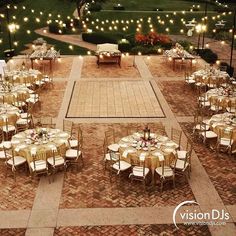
[{"x": 74, "y": 39}]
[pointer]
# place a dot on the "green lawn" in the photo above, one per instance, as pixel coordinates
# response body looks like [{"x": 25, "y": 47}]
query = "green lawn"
[
  {"x": 174, "y": 27},
  {"x": 54, "y": 7},
  {"x": 66, "y": 8},
  {"x": 149, "y": 5}
]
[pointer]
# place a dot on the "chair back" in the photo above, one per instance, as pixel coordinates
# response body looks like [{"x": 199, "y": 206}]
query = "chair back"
[
  {"x": 22, "y": 127},
  {"x": 1, "y": 135},
  {"x": 226, "y": 133},
  {"x": 67, "y": 126},
  {"x": 114, "y": 158},
  {"x": 110, "y": 136},
  {"x": 176, "y": 135}
]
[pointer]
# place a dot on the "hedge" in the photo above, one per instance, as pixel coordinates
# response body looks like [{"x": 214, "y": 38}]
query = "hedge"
[
  {"x": 101, "y": 37},
  {"x": 95, "y": 6},
  {"x": 208, "y": 55},
  {"x": 118, "y": 7},
  {"x": 124, "y": 45},
  {"x": 54, "y": 28}
]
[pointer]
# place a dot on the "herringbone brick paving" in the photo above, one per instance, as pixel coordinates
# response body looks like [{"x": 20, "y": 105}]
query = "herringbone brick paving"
[
  {"x": 181, "y": 98},
  {"x": 51, "y": 100},
  {"x": 134, "y": 230},
  {"x": 12, "y": 232},
  {"x": 16, "y": 195},
  {"x": 91, "y": 186},
  {"x": 221, "y": 169}
]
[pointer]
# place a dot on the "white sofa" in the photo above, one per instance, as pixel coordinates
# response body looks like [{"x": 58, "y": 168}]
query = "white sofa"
[{"x": 108, "y": 53}]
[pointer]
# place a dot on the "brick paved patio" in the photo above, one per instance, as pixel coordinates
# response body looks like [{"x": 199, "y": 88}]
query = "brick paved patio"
[
  {"x": 221, "y": 169},
  {"x": 134, "y": 230},
  {"x": 91, "y": 187}
]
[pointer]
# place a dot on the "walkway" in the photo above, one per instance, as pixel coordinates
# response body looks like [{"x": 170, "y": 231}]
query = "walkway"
[{"x": 74, "y": 39}]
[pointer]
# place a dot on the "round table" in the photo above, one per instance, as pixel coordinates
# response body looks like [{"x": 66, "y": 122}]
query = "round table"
[
  {"x": 14, "y": 93},
  {"x": 211, "y": 76},
  {"x": 9, "y": 112},
  {"x": 225, "y": 122},
  {"x": 43, "y": 140},
  {"x": 23, "y": 76},
  {"x": 158, "y": 147},
  {"x": 221, "y": 96}
]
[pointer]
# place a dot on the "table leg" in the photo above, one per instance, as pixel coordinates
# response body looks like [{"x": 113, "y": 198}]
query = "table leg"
[
  {"x": 32, "y": 64},
  {"x": 50, "y": 65}
]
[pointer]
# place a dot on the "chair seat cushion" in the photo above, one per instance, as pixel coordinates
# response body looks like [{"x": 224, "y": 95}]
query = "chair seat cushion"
[
  {"x": 40, "y": 165},
  {"x": 180, "y": 165},
  {"x": 123, "y": 166},
  {"x": 209, "y": 134},
  {"x": 138, "y": 171},
  {"x": 22, "y": 121},
  {"x": 215, "y": 108},
  {"x": 205, "y": 104},
  {"x": 114, "y": 147},
  {"x": 25, "y": 115},
  {"x": 226, "y": 142},
  {"x": 181, "y": 154},
  {"x": 32, "y": 100},
  {"x": 190, "y": 81},
  {"x": 8, "y": 128},
  {"x": 19, "y": 104},
  {"x": 58, "y": 161},
  {"x": 6, "y": 144},
  {"x": 39, "y": 82},
  {"x": 72, "y": 153},
  {"x": 17, "y": 159},
  {"x": 73, "y": 143},
  {"x": 168, "y": 172},
  {"x": 231, "y": 109}
]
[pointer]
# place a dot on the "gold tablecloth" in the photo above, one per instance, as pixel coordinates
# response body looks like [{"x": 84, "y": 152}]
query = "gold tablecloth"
[
  {"x": 161, "y": 146},
  {"x": 207, "y": 77},
  {"x": 17, "y": 93},
  {"x": 23, "y": 76},
  {"x": 24, "y": 142},
  {"x": 9, "y": 113},
  {"x": 216, "y": 96}
]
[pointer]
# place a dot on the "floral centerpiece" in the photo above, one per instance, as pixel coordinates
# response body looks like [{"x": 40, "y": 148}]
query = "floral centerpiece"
[{"x": 39, "y": 134}]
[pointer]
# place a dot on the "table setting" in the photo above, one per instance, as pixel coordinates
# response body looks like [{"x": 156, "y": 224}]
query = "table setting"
[
  {"x": 151, "y": 147},
  {"x": 21, "y": 75},
  {"x": 211, "y": 75},
  {"x": 43, "y": 140}
]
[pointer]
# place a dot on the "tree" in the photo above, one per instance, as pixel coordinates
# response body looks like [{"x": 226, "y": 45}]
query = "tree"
[{"x": 79, "y": 4}]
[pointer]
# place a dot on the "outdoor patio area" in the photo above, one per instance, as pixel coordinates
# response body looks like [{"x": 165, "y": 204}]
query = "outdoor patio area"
[{"x": 95, "y": 106}]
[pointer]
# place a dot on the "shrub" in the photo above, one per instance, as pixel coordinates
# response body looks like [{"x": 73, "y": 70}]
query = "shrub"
[
  {"x": 145, "y": 50},
  {"x": 96, "y": 6},
  {"x": 229, "y": 70},
  {"x": 152, "y": 38},
  {"x": 185, "y": 44},
  {"x": 118, "y": 7},
  {"x": 208, "y": 55},
  {"x": 101, "y": 37},
  {"x": 131, "y": 39},
  {"x": 55, "y": 28},
  {"x": 124, "y": 45},
  {"x": 73, "y": 23}
]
